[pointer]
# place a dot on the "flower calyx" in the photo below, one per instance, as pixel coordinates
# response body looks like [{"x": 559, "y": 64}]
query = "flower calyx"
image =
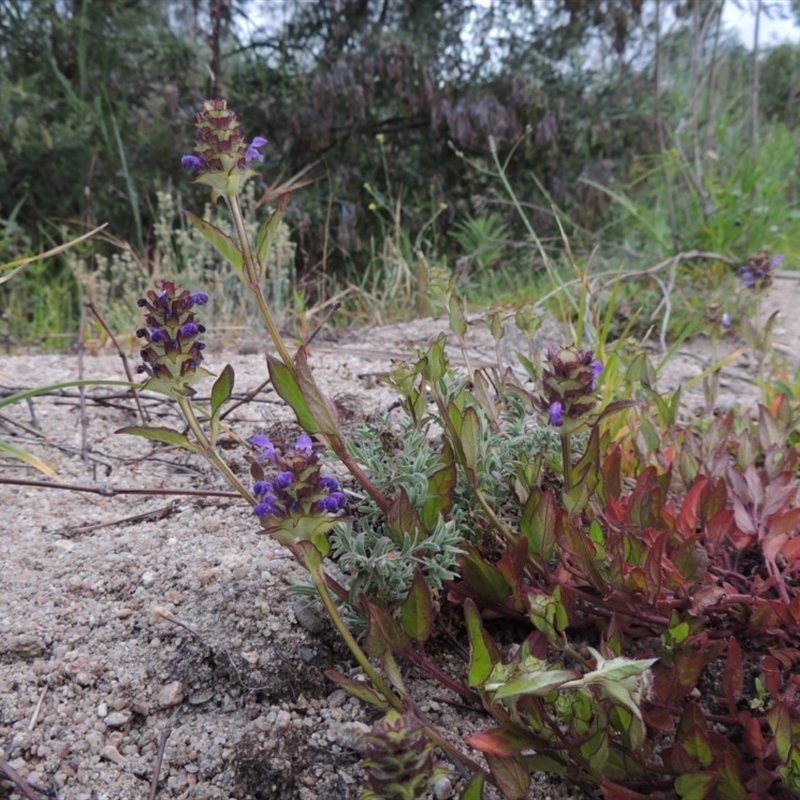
[
  {"x": 569, "y": 386},
  {"x": 172, "y": 351},
  {"x": 222, "y": 158}
]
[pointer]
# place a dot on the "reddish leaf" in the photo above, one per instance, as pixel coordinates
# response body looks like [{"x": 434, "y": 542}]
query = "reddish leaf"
[
  {"x": 772, "y": 675},
  {"x": 734, "y": 675},
  {"x": 791, "y": 551},
  {"x": 498, "y": 741},
  {"x": 613, "y": 791},
  {"x": 688, "y": 519},
  {"x": 402, "y": 517},
  {"x": 719, "y": 528},
  {"x": 788, "y": 522},
  {"x": 753, "y": 739},
  {"x": 383, "y": 633}
]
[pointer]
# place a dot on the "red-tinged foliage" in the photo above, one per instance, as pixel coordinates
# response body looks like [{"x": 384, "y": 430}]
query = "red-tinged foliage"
[{"x": 697, "y": 569}]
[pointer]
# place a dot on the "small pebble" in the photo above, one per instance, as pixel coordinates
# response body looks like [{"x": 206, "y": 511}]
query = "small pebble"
[
  {"x": 442, "y": 789},
  {"x": 116, "y": 719},
  {"x": 170, "y": 695},
  {"x": 110, "y": 753}
]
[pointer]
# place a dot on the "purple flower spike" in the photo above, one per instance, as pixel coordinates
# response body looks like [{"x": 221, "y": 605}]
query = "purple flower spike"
[
  {"x": 199, "y": 298},
  {"x": 253, "y": 151},
  {"x": 304, "y": 442},
  {"x": 556, "y": 413},
  {"x": 193, "y": 162},
  {"x": 283, "y": 480}
]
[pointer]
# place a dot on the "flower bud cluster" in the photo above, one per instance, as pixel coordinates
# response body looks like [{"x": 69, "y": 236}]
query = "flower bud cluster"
[
  {"x": 219, "y": 146},
  {"x": 172, "y": 352},
  {"x": 757, "y": 272},
  {"x": 399, "y": 759},
  {"x": 298, "y": 487},
  {"x": 569, "y": 385}
]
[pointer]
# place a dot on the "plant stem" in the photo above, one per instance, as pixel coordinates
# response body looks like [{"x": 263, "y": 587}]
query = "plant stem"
[
  {"x": 253, "y": 280},
  {"x": 566, "y": 459},
  {"x": 318, "y": 576},
  {"x": 185, "y": 406}
]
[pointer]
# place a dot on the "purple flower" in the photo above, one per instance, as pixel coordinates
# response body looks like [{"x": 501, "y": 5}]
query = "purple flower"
[
  {"x": 253, "y": 151},
  {"x": 157, "y": 335},
  {"x": 597, "y": 371},
  {"x": 556, "y": 413},
  {"x": 266, "y": 446},
  {"x": 283, "y": 480},
  {"x": 757, "y": 272},
  {"x": 193, "y": 162},
  {"x": 262, "y": 488},
  {"x": 199, "y": 298},
  {"x": 304, "y": 442},
  {"x": 332, "y": 503},
  {"x": 266, "y": 508},
  {"x": 726, "y": 321},
  {"x": 189, "y": 330},
  {"x": 328, "y": 484}
]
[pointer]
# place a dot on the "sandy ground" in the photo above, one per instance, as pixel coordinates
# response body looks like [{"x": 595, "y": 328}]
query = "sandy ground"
[{"x": 135, "y": 628}]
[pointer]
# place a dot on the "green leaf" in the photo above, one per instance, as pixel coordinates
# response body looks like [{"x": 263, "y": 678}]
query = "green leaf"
[
  {"x": 483, "y": 653},
  {"x": 539, "y": 522},
  {"x": 222, "y": 389},
  {"x": 470, "y": 441},
  {"x": 483, "y": 579},
  {"x": 165, "y": 435},
  {"x": 363, "y": 691},
  {"x": 540, "y": 683},
  {"x": 433, "y": 363},
  {"x": 511, "y": 774},
  {"x": 458, "y": 317},
  {"x": 286, "y": 385},
  {"x": 321, "y": 409},
  {"x": 695, "y": 786},
  {"x": 267, "y": 232},
  {"x": 439, "y": 501},
  {"x": 220, "y": 240},
  {"x": 416, "y": 611},
  {"x": 474, "y": 790}
]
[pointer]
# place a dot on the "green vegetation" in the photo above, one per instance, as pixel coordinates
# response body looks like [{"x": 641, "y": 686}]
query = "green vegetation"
[{"x": 633, "y": 155}]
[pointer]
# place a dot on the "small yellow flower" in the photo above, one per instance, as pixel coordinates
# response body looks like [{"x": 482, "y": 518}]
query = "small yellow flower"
[
  {"x": 380, "y": 138},
  {"x": 373, "y": 206}
]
